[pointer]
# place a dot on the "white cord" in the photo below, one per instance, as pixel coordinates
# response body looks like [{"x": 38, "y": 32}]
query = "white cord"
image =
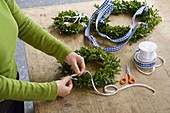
[{"x": 115, "y": 89}]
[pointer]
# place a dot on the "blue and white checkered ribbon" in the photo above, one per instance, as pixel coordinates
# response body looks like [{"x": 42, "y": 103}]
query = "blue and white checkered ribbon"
[
  {"x": 102, "y": 13},
  {"x": 146, "y": 65}
]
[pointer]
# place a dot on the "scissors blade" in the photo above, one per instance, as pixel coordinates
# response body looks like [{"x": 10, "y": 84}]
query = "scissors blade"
[{"x": 127, "y": 70}]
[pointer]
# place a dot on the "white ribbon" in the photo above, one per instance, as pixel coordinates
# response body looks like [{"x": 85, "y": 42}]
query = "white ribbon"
[
  {"x": 77, "y": 18},
  {"x": 115, "y": 89}
]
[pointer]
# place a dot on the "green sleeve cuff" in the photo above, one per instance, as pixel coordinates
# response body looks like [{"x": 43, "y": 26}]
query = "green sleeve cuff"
[{"x": 54, "y": 91}]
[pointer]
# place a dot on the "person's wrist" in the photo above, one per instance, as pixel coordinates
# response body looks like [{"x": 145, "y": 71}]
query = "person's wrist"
[
  {"x": 58, "y": 86},
  {"x": 67, "y": 57}
]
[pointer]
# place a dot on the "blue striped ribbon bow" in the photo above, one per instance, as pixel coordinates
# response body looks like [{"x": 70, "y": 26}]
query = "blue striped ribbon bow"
[{"x": 102, "y": 13}]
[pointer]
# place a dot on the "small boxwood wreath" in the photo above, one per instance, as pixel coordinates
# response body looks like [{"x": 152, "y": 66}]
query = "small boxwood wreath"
[
  {"x": 130, "y": 7},
  {"x": 109, "y": 67},
  {"x": 67, "y": 24}
]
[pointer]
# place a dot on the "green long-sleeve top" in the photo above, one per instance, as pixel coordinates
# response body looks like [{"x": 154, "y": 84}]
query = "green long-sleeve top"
[{"x": 13, "y": 24}]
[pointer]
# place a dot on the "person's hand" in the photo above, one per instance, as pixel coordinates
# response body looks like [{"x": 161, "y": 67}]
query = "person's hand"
[
  {"x": 76, "y": 62},
  {"x": 64, "y": 86}
]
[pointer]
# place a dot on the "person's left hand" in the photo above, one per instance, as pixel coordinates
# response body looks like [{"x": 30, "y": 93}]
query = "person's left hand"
[
  {"x": 65, "y": 85},
  {"x": 76, "y": 61}
]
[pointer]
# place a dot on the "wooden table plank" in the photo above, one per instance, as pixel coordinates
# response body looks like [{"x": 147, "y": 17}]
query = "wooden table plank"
[{"x": 133, "y": 100}]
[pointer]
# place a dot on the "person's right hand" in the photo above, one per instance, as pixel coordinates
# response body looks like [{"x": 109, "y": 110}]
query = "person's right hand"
[
  {"x": 76, "y": 62},
  {"x": 64, "y": 86}
]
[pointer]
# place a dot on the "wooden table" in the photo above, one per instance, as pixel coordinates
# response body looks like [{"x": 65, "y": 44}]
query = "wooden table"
[{"x": 133, "y": 100}]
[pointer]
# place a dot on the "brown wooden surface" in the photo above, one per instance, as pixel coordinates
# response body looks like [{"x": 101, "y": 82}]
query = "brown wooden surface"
[{"x": 133, "y": 100}]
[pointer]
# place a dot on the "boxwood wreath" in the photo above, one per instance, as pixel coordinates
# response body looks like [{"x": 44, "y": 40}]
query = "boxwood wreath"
[
  {"x": 109, "y": 67},
  {"x": 67, "y": 26},
  {"x": 130, "y": 7},
  {"x": 70, "y": 22}
]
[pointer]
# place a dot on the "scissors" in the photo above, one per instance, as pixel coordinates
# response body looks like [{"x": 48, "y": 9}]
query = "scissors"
[{"x": 128, "y": 76}]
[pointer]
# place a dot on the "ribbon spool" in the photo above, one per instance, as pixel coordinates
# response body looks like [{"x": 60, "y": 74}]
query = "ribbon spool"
[{"x": 146, "y": 57}]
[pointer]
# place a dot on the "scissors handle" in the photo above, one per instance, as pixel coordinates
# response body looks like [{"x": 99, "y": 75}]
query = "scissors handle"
[
  {"x": 131, "y": 80},
  {"x": 123, "y": 80}
]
